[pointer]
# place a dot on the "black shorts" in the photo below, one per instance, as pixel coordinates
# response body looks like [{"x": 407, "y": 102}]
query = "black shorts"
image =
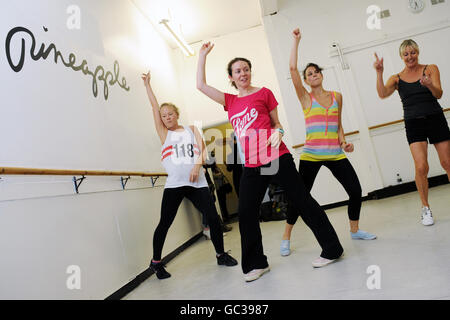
[{"x": 432, "y": 128}]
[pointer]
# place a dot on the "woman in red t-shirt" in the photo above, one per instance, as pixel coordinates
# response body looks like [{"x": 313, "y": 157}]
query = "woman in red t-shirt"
[{"x": 254, "y": 117}]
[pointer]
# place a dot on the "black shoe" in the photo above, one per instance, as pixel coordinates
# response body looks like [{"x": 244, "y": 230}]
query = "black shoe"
[
  {"x": 226, "y": 259},
  {"x": 158, "y": 268}
]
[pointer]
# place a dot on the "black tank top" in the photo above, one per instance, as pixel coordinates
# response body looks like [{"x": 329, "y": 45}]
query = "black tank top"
[{"x": 418, "y": 101}]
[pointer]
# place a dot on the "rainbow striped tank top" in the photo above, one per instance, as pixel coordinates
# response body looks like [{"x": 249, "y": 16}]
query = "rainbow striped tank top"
[{"x": 322, "y": 142}]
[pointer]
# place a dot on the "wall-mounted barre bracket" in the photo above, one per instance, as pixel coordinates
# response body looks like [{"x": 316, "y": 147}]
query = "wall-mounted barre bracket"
[
  {"x": 344, "y": 65},
  {"x": 76, "y": 183},
  {"x": 124, "y": 182},
  {"x": 154, "y": 180}
]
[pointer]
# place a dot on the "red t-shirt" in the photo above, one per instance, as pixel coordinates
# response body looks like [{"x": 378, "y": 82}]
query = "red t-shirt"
[{"x": 250, "y": 119}]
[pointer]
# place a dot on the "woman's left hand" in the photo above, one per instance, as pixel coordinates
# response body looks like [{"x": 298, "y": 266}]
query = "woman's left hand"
[
  {"x": 275, "y": 139},
  {"x": 347, "y": 147},
  {"x": 425, "y": 81}
]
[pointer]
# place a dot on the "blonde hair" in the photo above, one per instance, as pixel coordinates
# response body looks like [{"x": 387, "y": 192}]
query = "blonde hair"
[
  {"x": 408, "y": 43},
  {"x": 168, "y": 104}
]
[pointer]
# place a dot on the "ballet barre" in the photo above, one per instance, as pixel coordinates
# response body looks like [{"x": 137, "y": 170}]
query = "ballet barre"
[
  {"x": 83, "y": 173},
  {"x": 394, "y": 122},
  {"x": 370, "y": 128}
]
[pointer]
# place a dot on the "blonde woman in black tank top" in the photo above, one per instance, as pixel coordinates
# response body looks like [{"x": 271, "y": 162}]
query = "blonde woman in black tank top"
[{"x": 419, "y": 87}]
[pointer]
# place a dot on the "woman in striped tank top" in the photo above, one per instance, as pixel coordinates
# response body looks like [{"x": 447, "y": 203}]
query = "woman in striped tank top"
[
  {"x": 182, "y": 154},
  {"x": 325, "y": 143}
]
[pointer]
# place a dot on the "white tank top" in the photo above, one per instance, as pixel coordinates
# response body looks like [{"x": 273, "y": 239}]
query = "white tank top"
[{"x": 178, "y": 155}]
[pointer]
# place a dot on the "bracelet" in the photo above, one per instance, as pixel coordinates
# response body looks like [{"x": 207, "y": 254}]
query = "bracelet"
[{"x": 280, "y": 131}]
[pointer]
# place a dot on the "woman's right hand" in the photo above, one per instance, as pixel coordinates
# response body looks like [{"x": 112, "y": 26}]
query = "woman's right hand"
[
  {"x": 347, "y": 147},
  {"x": 206, "y": 48},
  {"x": 378, "y": 64},
  {"x": 297, "y": 35},
  {"x": 194, "y": 174},
  {"x": 146, "y": 78}
]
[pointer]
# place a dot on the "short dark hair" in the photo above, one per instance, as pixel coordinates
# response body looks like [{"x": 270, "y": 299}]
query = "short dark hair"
[
  {"x": 230, "y": 64},
  {"x": 311, "y": 64}
]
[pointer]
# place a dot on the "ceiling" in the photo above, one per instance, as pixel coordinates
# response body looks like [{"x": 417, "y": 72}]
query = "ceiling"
[{"x": 199, "y": 20}]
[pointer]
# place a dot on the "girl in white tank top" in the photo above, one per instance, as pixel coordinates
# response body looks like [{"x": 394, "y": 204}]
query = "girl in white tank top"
[
  {"x": 182, "y": 154},
  {"x": 179, "y": 154}
]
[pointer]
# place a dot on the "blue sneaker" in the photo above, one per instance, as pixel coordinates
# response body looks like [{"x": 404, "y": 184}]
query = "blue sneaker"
[
  {"x": 362, "y": 235},
  {"x": 285, "y": 248}
]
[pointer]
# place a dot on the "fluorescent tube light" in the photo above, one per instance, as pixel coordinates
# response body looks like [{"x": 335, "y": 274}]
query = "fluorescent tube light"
[{"x": 187, "y": 50}]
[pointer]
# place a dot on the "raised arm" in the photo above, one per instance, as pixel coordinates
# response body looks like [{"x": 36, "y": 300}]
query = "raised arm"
[
  {"x": 301, "y": 91},
  {"x": 383, "y": 90},
  {"x": 209, "y": 91},
  {"x": 159, "y": 125}
]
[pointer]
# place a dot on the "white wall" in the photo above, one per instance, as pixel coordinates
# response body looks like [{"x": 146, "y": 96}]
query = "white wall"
[
  {"x": 323, "y": 22},
  {"x": 51, "y": 119},
  {"x": 71, "y": 128},
  {"x": 107, "y": 234}
]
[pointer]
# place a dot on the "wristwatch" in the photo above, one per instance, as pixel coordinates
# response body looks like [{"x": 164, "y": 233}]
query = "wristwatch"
[{"x": 280, "y": 131}]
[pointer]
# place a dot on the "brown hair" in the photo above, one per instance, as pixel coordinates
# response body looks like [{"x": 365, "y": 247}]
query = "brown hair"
[
  {"x": 230, "y": 64},
  {"x": 315, "y": 66}
]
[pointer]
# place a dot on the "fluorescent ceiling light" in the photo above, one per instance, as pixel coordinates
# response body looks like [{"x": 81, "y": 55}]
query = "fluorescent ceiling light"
[{"x": 187, "y": 50}]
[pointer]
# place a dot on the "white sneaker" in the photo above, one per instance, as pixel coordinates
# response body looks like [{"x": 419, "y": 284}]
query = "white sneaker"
[
  {"x": 255, "y": 274},
  {"x": 322, "y": 262},
  {"x": 427, "y": 217}
]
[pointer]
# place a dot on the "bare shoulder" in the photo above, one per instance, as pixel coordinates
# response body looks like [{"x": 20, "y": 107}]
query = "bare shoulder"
[
  {"x": 393, "y": 80},
  {"x": 338, "y": 96},
  {"x": 432, "y": 68},
  {"x": 394, "y": 77}
]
